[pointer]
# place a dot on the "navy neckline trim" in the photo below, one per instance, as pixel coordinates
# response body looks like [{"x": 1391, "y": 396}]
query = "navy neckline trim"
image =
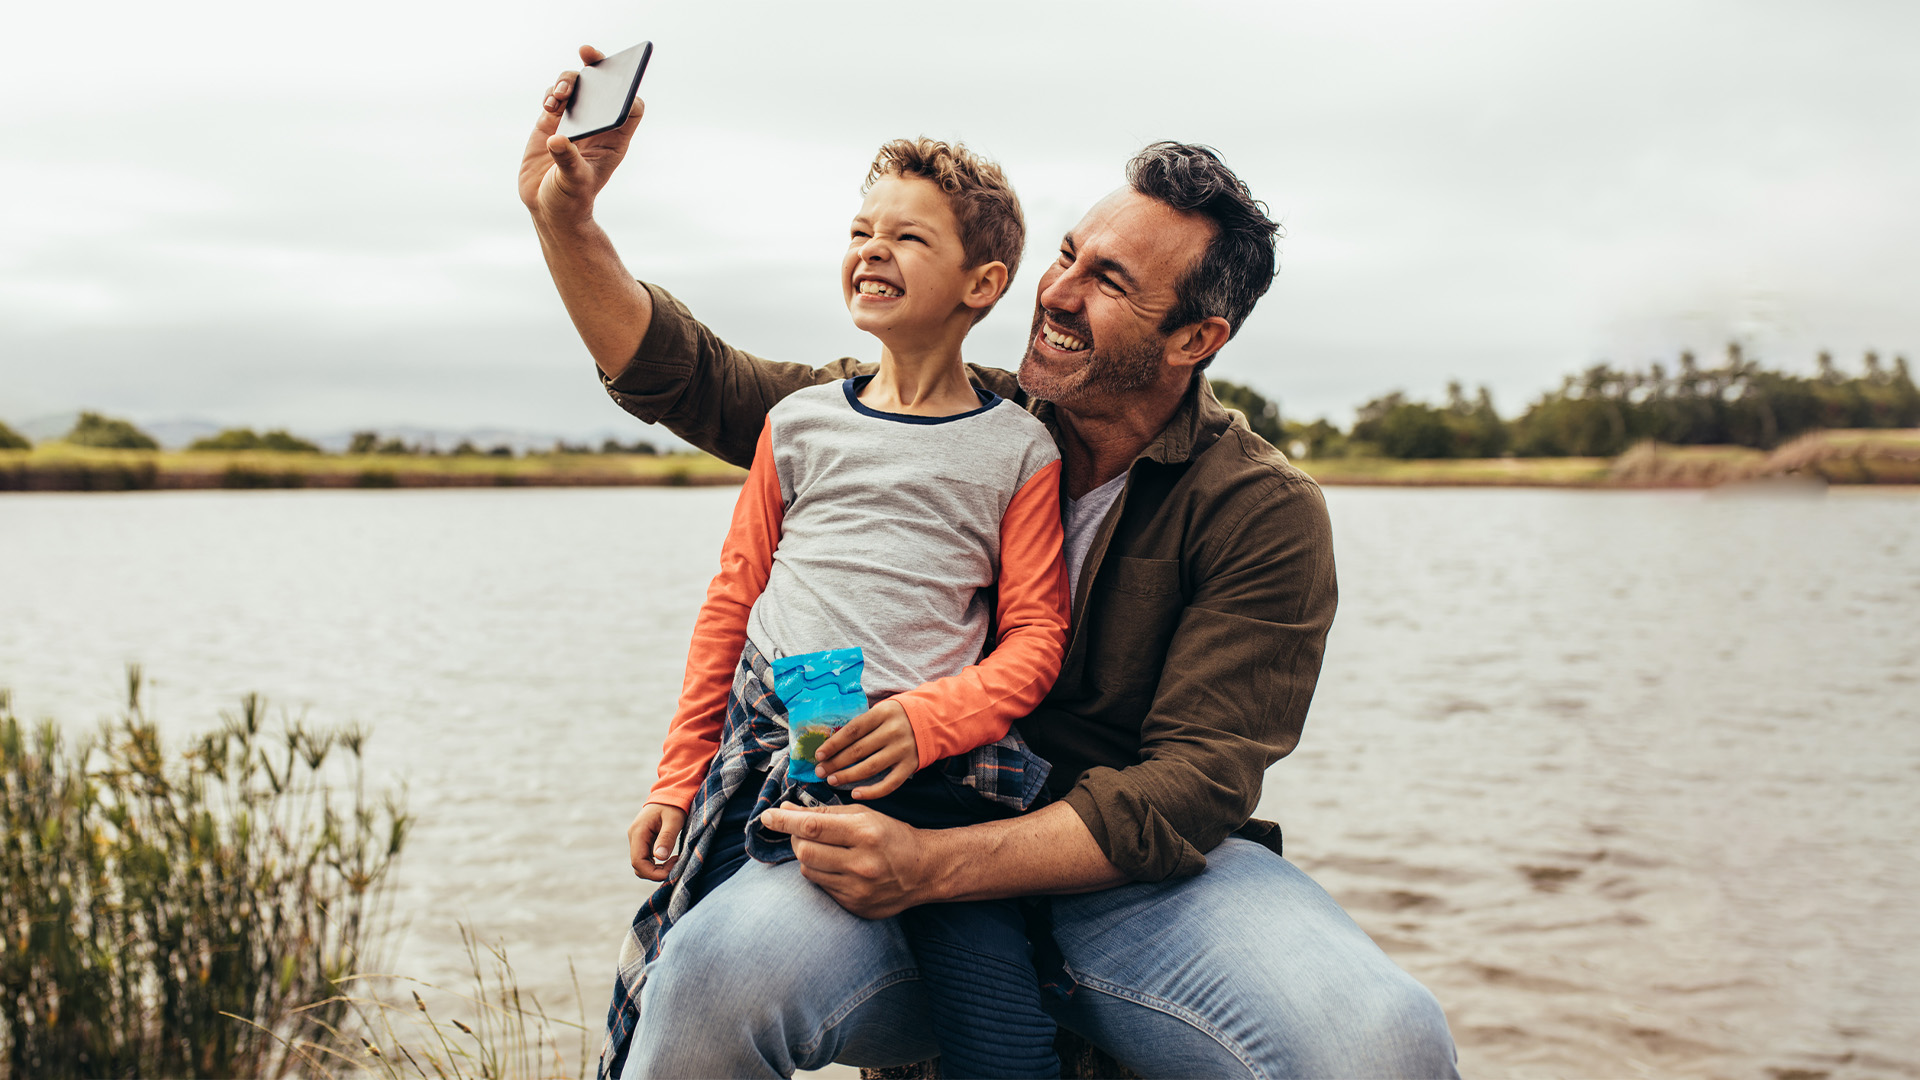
[{"x": 853, "y": 386}]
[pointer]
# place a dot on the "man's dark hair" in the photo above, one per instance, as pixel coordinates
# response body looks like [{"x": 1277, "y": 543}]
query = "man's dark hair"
[{"x": 1239, "y": 263}]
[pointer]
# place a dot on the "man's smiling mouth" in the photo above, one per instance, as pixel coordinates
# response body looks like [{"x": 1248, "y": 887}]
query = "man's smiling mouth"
[
  {"x": 1063, "y": 342},
  {"x": 871, "y": 287}
]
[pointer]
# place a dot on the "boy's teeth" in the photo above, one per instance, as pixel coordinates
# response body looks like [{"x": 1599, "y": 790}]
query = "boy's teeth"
[
  {"x": 1062, "y": 341},
  {"x": 879, "y": 288}
]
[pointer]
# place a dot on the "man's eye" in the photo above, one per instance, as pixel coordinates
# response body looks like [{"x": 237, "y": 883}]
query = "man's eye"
[
  {"x": 1066, "y": 257},
  {"x": 1108, "y": 283}
]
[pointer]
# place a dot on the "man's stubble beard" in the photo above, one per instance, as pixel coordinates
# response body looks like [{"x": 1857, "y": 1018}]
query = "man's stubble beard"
[{"x": 1125, "y": 368}]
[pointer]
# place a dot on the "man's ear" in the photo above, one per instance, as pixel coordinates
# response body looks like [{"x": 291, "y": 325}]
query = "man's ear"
[
  {"x": 1190, "y": 345},
  {"x": 989, "y": 281}
]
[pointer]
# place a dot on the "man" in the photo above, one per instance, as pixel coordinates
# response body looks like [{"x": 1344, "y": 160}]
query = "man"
[{"x": 1202, "y": 572}]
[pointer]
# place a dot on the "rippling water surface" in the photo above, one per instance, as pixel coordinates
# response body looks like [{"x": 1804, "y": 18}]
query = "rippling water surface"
[{"x": 1631, "y": 780}]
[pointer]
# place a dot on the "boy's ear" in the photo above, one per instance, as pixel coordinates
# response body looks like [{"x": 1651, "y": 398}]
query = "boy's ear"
[{"x": 988, "y": 281}]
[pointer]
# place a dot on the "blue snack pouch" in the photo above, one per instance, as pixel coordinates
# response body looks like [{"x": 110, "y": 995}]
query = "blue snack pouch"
[{"x": 822, "y": 692}]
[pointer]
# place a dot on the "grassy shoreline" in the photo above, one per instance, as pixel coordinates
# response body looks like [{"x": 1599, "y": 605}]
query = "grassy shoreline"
[
  {"x": 1851, "y": 457},
  {"x": 1833, "y": 457},
  {"x": 58, "y": 466}
]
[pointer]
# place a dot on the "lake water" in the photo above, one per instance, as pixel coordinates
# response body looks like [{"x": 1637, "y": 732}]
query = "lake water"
[{"x": 1631, "y": 780}]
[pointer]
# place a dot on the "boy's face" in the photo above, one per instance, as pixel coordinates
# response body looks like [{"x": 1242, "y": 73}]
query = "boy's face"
[{"x": 905, "y": 269}]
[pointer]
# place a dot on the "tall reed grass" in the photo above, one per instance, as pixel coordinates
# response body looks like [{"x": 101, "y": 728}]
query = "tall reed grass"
[
  {"x": 495, "y": 1032},
  {"x": 147, "y": 904}
]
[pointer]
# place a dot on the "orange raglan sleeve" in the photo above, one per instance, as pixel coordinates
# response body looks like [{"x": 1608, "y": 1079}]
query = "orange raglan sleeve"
[
  {"x": 977, "y": 706},
  {"x": 720, "y": 632}
]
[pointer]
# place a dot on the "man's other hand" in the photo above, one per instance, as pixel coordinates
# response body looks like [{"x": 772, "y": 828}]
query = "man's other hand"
[
  {"x": 651, "y": 837},
  {"x": 869, "y": 863},
  {"x": 559, "y": 178},
  {"x": 878, "y": 742}
]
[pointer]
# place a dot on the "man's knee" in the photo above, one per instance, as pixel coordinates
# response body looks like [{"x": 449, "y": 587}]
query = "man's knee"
[{"x": 1397, "y": 1029}]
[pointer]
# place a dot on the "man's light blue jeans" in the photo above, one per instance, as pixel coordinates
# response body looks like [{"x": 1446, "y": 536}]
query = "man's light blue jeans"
[{"x": 1249, "y": 969}]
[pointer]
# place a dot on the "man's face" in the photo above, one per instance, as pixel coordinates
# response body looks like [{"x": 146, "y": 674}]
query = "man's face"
[{"x": 1096, "y": 323}]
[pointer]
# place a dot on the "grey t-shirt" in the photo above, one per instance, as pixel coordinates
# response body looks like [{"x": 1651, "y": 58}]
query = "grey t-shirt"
[
  {"x": 1084, "y": 516},
  {"x": 892, "y": 530}
]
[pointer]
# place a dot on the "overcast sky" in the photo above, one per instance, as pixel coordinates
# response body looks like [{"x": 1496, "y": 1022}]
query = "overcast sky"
[{"x": 305, "y": 215}]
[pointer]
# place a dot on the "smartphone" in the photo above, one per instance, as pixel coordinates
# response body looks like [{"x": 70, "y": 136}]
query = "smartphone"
[{"x": 605, "y": 93}]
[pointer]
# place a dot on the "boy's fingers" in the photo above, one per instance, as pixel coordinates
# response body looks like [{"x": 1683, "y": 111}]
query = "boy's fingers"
[
  {"x": 663, "y": 844},
  {"x": 651, "y": 839},
  {"x": 655, "y": 871},
  {"x": 887, "y": 785},
  {"x": 844, "y": 757},
  {"x": 858, "y": 771},
  {"x": 849, "y": 733},
  {"x": 637, "y": 841},
  {"x": 867, "y": 757},
  {"x": 591, "y": 55}
]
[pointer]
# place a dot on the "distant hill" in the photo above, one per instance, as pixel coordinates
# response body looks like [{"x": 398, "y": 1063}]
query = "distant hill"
[
  {"x": 176, "y": 433},
  {"x": 334, "y": 442},
  {"x": 170, "y": 434},
  {"x": 42, "y": 428}
]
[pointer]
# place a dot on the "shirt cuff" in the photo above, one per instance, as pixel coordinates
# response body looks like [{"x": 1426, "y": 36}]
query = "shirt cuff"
[{"x": 1135, "y": 838}]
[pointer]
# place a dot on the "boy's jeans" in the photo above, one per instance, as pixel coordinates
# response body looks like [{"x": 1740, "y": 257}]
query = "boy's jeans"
[{"x": 1249, "y": 969}]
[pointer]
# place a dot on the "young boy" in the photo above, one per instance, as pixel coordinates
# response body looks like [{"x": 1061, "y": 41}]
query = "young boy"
[{"x": 912, "y": 515}]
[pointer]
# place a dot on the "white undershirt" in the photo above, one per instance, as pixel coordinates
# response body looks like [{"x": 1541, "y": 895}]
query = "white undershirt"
[{"x": 1084, "y": 516}]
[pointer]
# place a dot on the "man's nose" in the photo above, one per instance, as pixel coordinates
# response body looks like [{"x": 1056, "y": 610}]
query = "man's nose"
[{"x": 1063, "y": 293}]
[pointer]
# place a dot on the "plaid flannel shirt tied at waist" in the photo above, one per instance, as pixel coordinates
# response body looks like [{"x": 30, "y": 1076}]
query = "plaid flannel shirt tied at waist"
[{"x": 753, "y": 743}]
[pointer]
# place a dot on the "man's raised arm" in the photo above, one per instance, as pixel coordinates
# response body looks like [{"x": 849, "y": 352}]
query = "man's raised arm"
[
  {"x": 655, "y": 359},
  {"x": 559, "y": 180}
]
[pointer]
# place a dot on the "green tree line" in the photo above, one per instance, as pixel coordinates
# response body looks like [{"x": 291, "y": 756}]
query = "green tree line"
[
  {"x": 1599, "y": 412},
  {"x": 1604, "y": 410}
]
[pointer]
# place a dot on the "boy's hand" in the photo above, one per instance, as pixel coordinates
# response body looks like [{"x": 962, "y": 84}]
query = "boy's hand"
[
  {"x": 651, "y": 837},
  {"x": 878, "y": 742},
  {"x": 559, "y": 178}
]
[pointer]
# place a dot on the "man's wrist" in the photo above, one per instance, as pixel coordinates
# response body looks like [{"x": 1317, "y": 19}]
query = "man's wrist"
[
  {"x": 564, "y": 228},
  {"x": 942, "y": 855}
]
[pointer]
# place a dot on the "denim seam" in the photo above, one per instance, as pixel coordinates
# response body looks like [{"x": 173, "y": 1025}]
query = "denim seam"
[
  {"x": 1180, "y": 1013},
  {"x": 904, "y": 974}
]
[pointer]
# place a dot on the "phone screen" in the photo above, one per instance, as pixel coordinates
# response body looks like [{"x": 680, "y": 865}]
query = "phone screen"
[{"x": 605, "y": 94}]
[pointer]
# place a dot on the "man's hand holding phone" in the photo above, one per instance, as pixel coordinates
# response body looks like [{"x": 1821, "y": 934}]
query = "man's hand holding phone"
[{"x": 560, "y": 177}]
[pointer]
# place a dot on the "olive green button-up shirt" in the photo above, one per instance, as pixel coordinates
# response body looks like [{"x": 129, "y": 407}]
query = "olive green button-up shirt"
[{"x": 1198, "y": 624}]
